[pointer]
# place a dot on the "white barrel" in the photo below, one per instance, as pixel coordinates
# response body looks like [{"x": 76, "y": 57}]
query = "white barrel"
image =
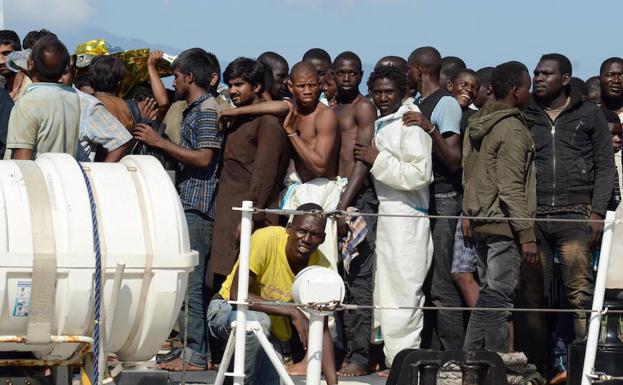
[
  {"x": 316, "y": 284},
  {"x": 141, "y": 225}
]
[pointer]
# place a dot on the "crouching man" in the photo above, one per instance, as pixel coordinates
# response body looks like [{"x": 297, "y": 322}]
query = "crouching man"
[{"x": 277, "y": 255}]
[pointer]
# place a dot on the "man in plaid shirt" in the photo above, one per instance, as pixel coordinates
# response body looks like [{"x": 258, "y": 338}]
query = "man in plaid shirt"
[{"x": 196, "y": 75}]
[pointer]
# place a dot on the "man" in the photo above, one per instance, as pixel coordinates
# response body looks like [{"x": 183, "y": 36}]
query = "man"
[
  {"x": 499, "y": 180},
  {"x": 279, "y": 67},
  {"x": 449, "y": 66},
  {"x": 440, "y": 117},
  {"x": 31, "y": 37},
  {"x": 320, "y": 59},
  {"x": 105, "y": 76},
  {"x": 47, "y": 116},
  {"x": 593, "y": 92},
  {"x": 196, "y": 76},
  {"x": 254, "y": 163},
  {"x": 6, "y": 105},
  {"x": 575, "y": 169},
  {"x": 16, "y": 82},
  {"x": 400, "y": 161},
  {"x": 356, "y": 116},
  {"x": 485, "y": 92},
  {"x": 276, "y": 256},
  {"x": 611, "y": 79},
  {"x": 464, "y": 86},
  {"x": 398, "y": 62}
]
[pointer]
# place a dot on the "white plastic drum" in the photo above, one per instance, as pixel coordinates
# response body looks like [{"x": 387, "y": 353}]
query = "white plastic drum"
[{"x": 141, "y": 225}]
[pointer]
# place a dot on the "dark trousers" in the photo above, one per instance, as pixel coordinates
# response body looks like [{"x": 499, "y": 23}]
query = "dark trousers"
[
  {"x": 443, "y": 329},
  {"x": 359, "y": 281},
  {"x": 499, "y": 264},
  {"x": 570, "y": 242}
]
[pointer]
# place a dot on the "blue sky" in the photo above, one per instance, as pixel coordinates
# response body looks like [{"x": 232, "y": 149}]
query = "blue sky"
[{"x": 482, "y": 32}]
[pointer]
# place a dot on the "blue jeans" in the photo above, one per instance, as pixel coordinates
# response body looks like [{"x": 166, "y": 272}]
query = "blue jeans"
[
  {"x": 200, "y": 232},
  {"x": 257, "y": 367},
  {"x": 499, "y": 263}
]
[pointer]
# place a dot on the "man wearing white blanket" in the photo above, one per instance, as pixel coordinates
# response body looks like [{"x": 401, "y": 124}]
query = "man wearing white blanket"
[{"x": 401, "y": 165}]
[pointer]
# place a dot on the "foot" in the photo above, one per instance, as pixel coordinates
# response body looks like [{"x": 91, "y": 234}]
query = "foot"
[
  {"x": 344, "y": 364},
  {"x": 559, "y": 378},
  {"x": 352, "y": 370},
  {"x": 177, "y": 365},
  {"x": 298, "y": 369},
  {"x": 383, "y": 373}
]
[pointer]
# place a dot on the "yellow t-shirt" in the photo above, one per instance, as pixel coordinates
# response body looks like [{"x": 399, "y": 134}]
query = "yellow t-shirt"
[{"x": 274, "y": 278}]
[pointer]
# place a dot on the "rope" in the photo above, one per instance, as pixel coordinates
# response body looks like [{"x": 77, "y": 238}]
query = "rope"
[
  {"x": 332, "y": 306},
  {"x": 342, "y": 213},
  {"x": 98, "y": 280}
]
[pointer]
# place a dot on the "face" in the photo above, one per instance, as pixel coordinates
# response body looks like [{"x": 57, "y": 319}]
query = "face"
[
  {"x": 522, "y": 93},
  {"x": 615, "y": 129},
  {"x": 465, "y": 88},
  {"x": 180, "y": 84},
  {"x": 330, "y": 88},
  {"x": 305, "y": 234},
  {"x": 485, "y": 93},
  {"x": 241, "y": 92},
  {"x": 386, "y": 96},
  {"x": 305, "y": 88},
  {"x": 594, "y": 95},
  {"x": 611, "y": 80},
  {"x": 280, "y": 83},
  {"x": 5, "y": 50},
  {"x": 549, "y": 82},
  {"x": 347, "y": 76},
  {"x": 414, "y": 75}
]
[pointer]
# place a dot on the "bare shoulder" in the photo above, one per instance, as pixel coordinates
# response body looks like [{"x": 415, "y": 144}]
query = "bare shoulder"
[
  {"x": 365, "y": 108},
  {"x": 326, "y": 118}
]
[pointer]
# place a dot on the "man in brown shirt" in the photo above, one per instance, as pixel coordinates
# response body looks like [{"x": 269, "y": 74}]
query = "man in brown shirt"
[{"x": 255, "y": 160}]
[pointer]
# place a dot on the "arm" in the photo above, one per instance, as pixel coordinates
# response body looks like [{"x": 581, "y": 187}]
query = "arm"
[
  {"x": 106, "y": 131},
  {"x": 22, "y": 154},
  {"x": 157, "y": 87},
  {"x": 365, "y": 115},
  {"x": 511, "y": 175},
  {"x": 603, "y": 160},
  {"x": 317, "y": 158},
  {"x": 22, "y": 131},
  {"x": 275, "y": 107},
  {"x": 408, "y": 168},
  {"x": 117, "y": 154}
]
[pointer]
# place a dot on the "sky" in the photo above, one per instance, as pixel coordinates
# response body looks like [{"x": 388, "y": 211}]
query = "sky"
[{"x": 481, "y": 32}]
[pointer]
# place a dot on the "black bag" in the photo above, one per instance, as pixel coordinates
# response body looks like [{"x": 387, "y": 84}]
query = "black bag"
[{"x": 140, "y": 148}]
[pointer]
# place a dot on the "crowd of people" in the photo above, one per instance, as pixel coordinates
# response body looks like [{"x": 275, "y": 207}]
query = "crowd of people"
[{"x": 431, "y": 138}]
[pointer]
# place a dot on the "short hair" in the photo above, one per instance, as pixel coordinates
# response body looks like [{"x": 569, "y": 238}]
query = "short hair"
[
  {"x": 33, "y": 36},
  {"x": 10, "y": 37},
  {"x": 579, "y": 84},
  {"x": 463, "y": 71},
  {"x": 428, "y": 57},
  {"x": 50, "y": 58},
  {"x": 564, "y": 65},
  {"x": 484, "y": 74},
  {"x": 611, "y": 116},
  {"x": 106, "y": 73},
  {"x": 451, "y": 64},
  {"x": 593, "y": 81},
  {"x": 82, "y": 81},
  {"x": 200, "y": 64},
  {"x": 609, "y": 61},
  {"x": 249, "y": 70},
  {"x": 348, "y": 55},
  {"x": 505, "y": 77},
  {"x": 140, "y": 92},
  {"x": 311, "y": 207},
  {"x": 318, "y": 54},
  {"x": 269, "y": 57},
  {"x": 389, "y": 72},
  {"x": 396, "y": 61},
  {"x": 302, "y": 66}
]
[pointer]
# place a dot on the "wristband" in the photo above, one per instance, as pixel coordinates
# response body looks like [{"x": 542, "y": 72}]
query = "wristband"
[
  {"x": 295, "y": 133},
  {"x": 432, "y": 129}
]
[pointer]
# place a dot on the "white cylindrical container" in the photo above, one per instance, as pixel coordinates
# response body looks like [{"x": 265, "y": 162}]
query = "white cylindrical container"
[{"x": 141, "y": 225}]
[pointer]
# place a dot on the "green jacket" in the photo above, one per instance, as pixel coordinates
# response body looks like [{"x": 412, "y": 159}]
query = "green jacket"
[{"x": 499, "y": 173}]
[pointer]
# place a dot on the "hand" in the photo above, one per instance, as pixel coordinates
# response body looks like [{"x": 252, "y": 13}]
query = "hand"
[
  {"x": 366, "y": 154},
  {"x": 466, "y": 229},
  {"x": 616, "y": 142},
  {"x": 148, "y": 108},
  {"x": 530, "y": 253},
  {"x": 413, "y": 118},
  {"x": 597, "y": 229},
  {"x": 342, "y": 227},
  {"x": 289, "y": 125},
  {"x": 146, "y": 134},
  {"x": 153, "y": 59},
  {"x": 301, "y": 324}
]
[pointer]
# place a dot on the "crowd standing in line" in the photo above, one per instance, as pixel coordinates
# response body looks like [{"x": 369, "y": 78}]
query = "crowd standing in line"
[{"x": 431, "y": 137}]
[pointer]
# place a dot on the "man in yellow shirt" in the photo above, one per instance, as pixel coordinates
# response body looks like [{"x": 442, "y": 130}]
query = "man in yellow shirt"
[{"x": 277, "y": 255}]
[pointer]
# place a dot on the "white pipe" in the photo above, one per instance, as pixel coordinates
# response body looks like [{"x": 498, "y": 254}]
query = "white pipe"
[
  {"x": 314, "y": 348},
  {"x": 246, "y": 228},
  {"x": 270, "y": 353},
  {"x": 598, "y": 300},
  {"x": 229, "y": 350}
]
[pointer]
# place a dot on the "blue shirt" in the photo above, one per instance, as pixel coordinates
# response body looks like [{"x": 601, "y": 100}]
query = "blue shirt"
[
  {"x": 199, "y": 129},
  {"x": 446, "y": 115}
]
